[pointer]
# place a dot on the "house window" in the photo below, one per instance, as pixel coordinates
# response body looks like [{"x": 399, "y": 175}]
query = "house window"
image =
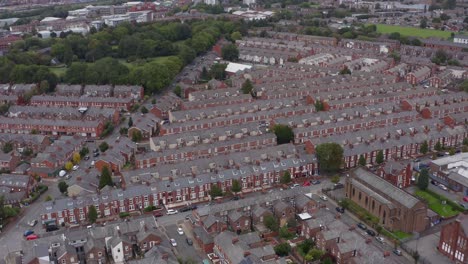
[
  {"x": 246, "y": 222},
  {"x": 64, "y": 261},
  {"x": 126, "y": 248},
  {"x": 91, "y": 255}
]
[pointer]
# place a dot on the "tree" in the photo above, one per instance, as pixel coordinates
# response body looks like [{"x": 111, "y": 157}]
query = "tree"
[
  {"x": 423, "y": 23},
  {"x": 230, "y": 52},
  {"x": 379, "y": 159},
  {"x": 7, "y": 147},
  {"x": 247, "y": 87},
  {"x": 335, "y": 179},
  {"x": 286, "y": 177},
  {"x": 438, "y": 146},
  {"x": 424, "y": 147},
  {"x": 130, "y": 122},
  {"x": 314, "y": 254},
  {"x": 236, "y": 186},
  {"x": 84, "y": 151},
  {"x": 284, "y": 134},
  {"x": 76, "y": 158},
  {"x": 137, "y": 136},
  {"x": 236, "y": 35},
  {"x": 177, "y": 91},
  {"x": 218, "y": 71},
  {"x": 452, "y": 151},
  {"x": 215, "y": 191},
  {"x": 144, "y": 110},
  {"x": 123, "y": 131},
  {"x": 440, "y": 57},
  {"x": 330, "y": 156},
  {"x": 319, "y": 106},
  {"x": 204, "y": 75},
  {"x": 48, "y": 198},
  {"x": 282, "y": 249},
  {"x": 345, "y": 70},
  {"x": 103, "y": 146},
  {"x": 423, "y": 179},
  {"x": 92, "y": 214},
  {"x": 63, "y": 187},
  {"x": 271, "y": 223},
  {"x": 362, "y": 160},
  {"x": 106, "y": 178},
  {"x": 68, "y": 165}
]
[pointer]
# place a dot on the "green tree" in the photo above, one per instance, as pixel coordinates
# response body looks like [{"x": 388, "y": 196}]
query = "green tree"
[
  {"x": 63, "y": 187},
  {"x": 106, "y": 178},
  {"x": 284, "y": 233},
  {"x": 327, "y": 260},
  {"x": 92, "y": 214},
  {"x": 330, "y": 156},
  {"x": 7, "y": 147},
  {"x": 319, "y": 106},
  {"x": 286, "y": 177},
  {"x": 345, "y": 70},
  {"x": 423, "y": 179},
  {"x": 84, "y": 151},
  {"x": 137, "y": 136},
  {"x": 247, "y": 87},
  {"x": 464, "y": 86},
  {"x": 123, "y": 131},
  {"x": 218, "y": 71},
  {"x": 103, "y": 146},
  {"x": 2, "y": 210},
  {"x": 144, "y": 110},
  {"x": 284, "y": 134},
  {"x": 236, "y": 186},
  {"x": 271, "y": 223},
  {"x": 236, "y": 35},
  {"x": 178, "y": 91},
  {"x": 423, "y": 23},
  {"x": 452, "y": 151},
  {"x": 204, "y": 75},
  {"x": 379, "y": 159},
  {"x": 362, "y": 160},
  {"x": 76, "y": 158},
  {"x": 438, "y": 146},
  {"x": 68, "y": 165},
  {"x": 282, "y": 249},
  {"x": 48, "y": 198},
  {"x": 335, "y": 178},
  {"x": 230, "y": 52},
  {"x": 215, "y": 191},
  {"x": 424, "y": 147},
  {"x": 130, "y": 122},
  {"x": 314, "y": 254}
]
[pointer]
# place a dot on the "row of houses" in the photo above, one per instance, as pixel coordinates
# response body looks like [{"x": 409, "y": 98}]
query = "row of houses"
[{"x": 120, "y": 91}]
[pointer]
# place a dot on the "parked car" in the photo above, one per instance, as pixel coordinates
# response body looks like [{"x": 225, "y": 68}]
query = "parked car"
[
  {"x": 50, "y": 228},
  {"x": 397, "y": 252},
  {"x": 338, "y": 186},
  {"x": 75, "y": 167},
  {"x": 189, "y": 241},
  {"x": 235, "y": 198},
  {"x": 340, "y": 209},
  {"x": 295, "y": 185},
  {"x": 180, "y": 231},
  {"x": 380, "y": 239},
  {"x": 171, "y": 212},
  {"x": 158, "y": 213},
  {"x": 86, "y": 158},
  {"x": 370, "y": 232},
  {"x": 32, "y": 237},
  {"x": 315, "y": 182},
  {"x": 443, "y": 187},
  {"x": 465, "y": 198},
  {"x": 33, "y": 222},
  {"x": 95, "y": 154},
  {"x": 323, "y": 197},
  {"x": 173, "y": 242},
  {"x": 433, "y": 182},
  {"x": 362, "y": 226},
  {"x": 28, "y": 232}
]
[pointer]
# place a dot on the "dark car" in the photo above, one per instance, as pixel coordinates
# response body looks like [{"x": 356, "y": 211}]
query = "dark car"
[
  {"x": 189, "y": 241},
  {"x": 340, "y": 209},
  {"x": 185, "y": 209},
  {"x": 50, "y": 228},
  {"x": 433, "y": 182},
  {"x": 96, "y": 154},
  {"x": 339, "y": 186},
  {"x": 235, "y": 198},
  {"x": 96, "y": 151},
  {"x": 362, "y": 226},
  {"x": 28, "y": 232},
  {"x": 315, "y": 182},
  {"x": 86, "y": 158},
  {"x": 158, "y": 213},
  {"x": 370, "y": 232}
]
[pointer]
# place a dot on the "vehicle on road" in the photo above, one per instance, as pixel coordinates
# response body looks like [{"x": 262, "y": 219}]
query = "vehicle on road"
[
  {"x": 50, "y": 228},
  {"x": 340, "y": 210},
  {"x": 158, "y": 213},
  {"x": 171, "y": 212},
  {"x": 295, "y": 185},
  {"x": 28, "y": 232},
  {"x": 189, "y": 241},
  {"x": 180, "y": 231},
  {"x": 362, "y": 226},
  {"x": 397, "y": 252},
  {"x": 173, "y": 242},
  {"x": 86, "y": 158},
  {"x": 235, "y": 198},
  {"x": 75, "y": 167},
  {"x": 96, "y": 154},
  {"x": 443, "y": 187},
  {"x": 338, "y": 186},
  {"x": 32, "y": 237},
  {"x": 465, "y": 198},
  {"x": 370, "y": 232},
  {"x": 32, "y": 222},
  {"x": 315, "y": 182},
  {"x": 323, "y": 197},
  {"x": 380, "y": 239}
]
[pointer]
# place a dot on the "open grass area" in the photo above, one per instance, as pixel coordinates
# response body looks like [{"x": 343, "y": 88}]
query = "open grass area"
[
  {"x": 413, "y": 31},
  {"x": 401, "y": 234},
  {"x": 435, "y": 204}
]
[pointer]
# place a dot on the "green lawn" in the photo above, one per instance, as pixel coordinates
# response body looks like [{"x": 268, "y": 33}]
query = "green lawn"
[
  {"x": 401, "y": 234},
  {"x": 435, "y": 204},
  {"x": 413, "y": 31},
  {"x": 59, "y": 71}
]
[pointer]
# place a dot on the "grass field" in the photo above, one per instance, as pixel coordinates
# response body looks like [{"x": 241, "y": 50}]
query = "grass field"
[
  {"x": 435, "y": 204},
  {"x": 413, "y": 31},
  {"x": 401, "y": 234}
]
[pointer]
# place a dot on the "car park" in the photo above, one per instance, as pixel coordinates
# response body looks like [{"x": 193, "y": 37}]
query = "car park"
[
  {"x": 362, "y": 226},
  {"x": 189, "y": 241},
  {"x": 370, "y": 232},
  {"x": 180, "y": 231},
  {"x": 171, "y": 212},
  {"x": 173, "y": 242}
]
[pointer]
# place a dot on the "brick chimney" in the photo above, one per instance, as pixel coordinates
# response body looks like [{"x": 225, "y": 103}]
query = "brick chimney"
[{"x": 235, "y": 240}]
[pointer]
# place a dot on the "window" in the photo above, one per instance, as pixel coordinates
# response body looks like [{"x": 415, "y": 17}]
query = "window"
[
  {"x": 246, "y": 222},
  {"x": 64, "y": 261},
  {"x": 359, "y": 196},
  {"x": 91, "y": 255},
  {"x": 373, "y": 205}
]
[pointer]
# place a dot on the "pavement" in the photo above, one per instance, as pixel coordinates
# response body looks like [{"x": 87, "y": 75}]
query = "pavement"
[{"x": 427, "y": 248}]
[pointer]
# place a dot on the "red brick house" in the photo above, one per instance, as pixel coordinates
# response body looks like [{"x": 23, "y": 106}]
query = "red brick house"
[
  {"x": 9, "y": 161},
  {"x": 203, "y": 239},
  {"x": 284, "y": 212},
  {"x": 238, "y": 222},
  {"x": 147, "y": 239},
  {"x": 95, "y": 251},
  {"x": 417, "y": 76},
  {"x": 399, "y": 173},
  {"x": 453, "y": 241}
]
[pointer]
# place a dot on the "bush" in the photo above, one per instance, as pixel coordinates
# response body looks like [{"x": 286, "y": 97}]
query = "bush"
[
  {"x": 284, "y": 233},
  {"x": 124, "y": 214},
  {"x": 150, "y": 208},
  {"x": 282, "y": 249}
]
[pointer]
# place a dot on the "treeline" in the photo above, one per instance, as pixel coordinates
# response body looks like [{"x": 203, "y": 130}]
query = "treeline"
[{"x": 135, "y": 54}]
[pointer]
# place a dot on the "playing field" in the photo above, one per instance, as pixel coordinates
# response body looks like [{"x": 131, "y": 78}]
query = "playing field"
[{"x": 412, "y": 31}]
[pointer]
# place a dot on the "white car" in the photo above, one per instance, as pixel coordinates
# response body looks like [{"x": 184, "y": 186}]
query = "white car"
[
  {"x": 443, "y": 187},
  {"x": 75, "y": 167},
  {"x": 380, "y": 239},
  {"x": 180, "y": 231},
  {"x": 323, "y": 197},
  {"x": 171, "y": 212},
  {"x": 173, "y": 242}
]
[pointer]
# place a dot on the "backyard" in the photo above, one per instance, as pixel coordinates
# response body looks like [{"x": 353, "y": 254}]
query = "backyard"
[
  {"x": 413, "y": 31},
  {"x": 435, "y": 204}
]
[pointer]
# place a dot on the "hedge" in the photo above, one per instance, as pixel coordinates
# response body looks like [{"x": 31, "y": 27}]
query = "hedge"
[{"x": 124, "y": 214}]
